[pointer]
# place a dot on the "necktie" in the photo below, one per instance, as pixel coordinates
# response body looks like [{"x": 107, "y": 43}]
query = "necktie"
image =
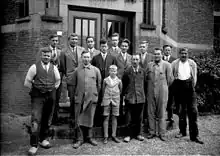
[
  {"x": 103, "y": 56},
  {"x": 45, "y": 67}
]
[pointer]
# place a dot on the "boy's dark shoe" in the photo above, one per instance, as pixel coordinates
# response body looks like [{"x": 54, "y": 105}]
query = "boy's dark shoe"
[
  {"x": 115, "y": 139},
  {"x": 105, "y": 141}
]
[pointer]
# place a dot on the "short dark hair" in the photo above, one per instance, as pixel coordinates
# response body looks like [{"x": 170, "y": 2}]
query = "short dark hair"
[
  {"x": 167, "y": 45},
  {"x": 126, "y": 41},
  {"x": 45, "y": 50},
  {"x": 90, "y": 37},
  {"x": 144, "y": 42},
  {"x": 84, "y": 52},
  {"x": 52, "y": 36},
  {"x": 158, "y": 48},
  {"x": 115, "y": 35},
  {"x": 103, "y": 41},
  {"x": 183, "y": 49},
  {"x": 135, "y": 54},
  {"x": 72, "y": 35}
]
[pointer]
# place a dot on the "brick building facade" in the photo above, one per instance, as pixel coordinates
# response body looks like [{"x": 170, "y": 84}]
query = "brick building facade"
[{"x": 26, "y": 25}]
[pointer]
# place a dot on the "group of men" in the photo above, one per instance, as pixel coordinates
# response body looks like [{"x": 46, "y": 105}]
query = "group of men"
[{"x": 151, "y": 82}]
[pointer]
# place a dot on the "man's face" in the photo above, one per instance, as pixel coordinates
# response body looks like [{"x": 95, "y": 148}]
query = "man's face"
[
  {"x": 90, "y": 43},
  {"x": 46, "y": 57},
  {"x": 54, "y": 42},
  {"x": 73, "y": 40},
  {"x": 183, "y": 55},
  {"x": 124, "y": 47},
  {"x": 135, "y": 60},
  {"x": 104, "y": 48},
  {"x": 86, "y": 58},
  {"x": 167, "y": 51},
  {"x": 157, "y": 55},
  {"x": 143, "y": 48},
  {"x": 115, "y": 41}
]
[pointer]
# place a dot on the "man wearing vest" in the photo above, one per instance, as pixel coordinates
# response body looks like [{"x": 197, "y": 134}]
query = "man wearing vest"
[
  {"x": 185, "y": 77},
  {"x": 43, "y": 79}
]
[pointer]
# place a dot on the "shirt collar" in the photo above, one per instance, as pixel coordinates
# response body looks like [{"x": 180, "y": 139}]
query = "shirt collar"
[
  {"x": 45, "y": 64},
  {"x": 115, "y": 48},
  {"x": 123, "y": 54},
  {"x": 157, "y": 64},
  {"x": 135, "y": 69},
  {"x": 87, "y": 66},
  {"x": 91, "y": 50},
  {"x": 53, "y": 48}
]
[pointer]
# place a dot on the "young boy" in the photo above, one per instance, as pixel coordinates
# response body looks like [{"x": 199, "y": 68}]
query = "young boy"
[
  {"x": 112, "y": 87},
  {"x": 42, "y": 79}
]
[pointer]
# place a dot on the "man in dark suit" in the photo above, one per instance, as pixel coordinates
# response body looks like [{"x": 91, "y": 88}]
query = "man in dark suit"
[
  {"x": 144, "y": 55},
  {"x": 70, "y": 59},
  {"x": 102, "y": 61},
  {"x": 167, "y": 56},
  {"x": 114, "y": 50},
  {"x": 90, "y": 46}
]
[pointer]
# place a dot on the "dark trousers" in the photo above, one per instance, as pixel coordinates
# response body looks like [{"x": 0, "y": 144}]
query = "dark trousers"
[
  {"x": 170, "y": 103},
  {"x": 135, "y": 113},
  {"x": 56, "y": 109},
  {"x": 185, "y": 99},
  {"x": 83, "y": 133},
  {"x": 42, "y": 112},
  {"x": 72, "y": 105}
]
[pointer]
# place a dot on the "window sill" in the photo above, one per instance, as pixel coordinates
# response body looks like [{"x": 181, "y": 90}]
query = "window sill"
[
  {"x": 48, "y": 18},
  {"x": 147, "y": 26},
  {"x": 23, "y": 19},
  {"x": 164, "y": 30}
]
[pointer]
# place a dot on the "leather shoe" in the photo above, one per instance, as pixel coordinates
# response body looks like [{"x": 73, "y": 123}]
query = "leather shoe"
[
  {"x": 92, "y": 142},
  {"x": 151, "y": 136},
  {"x": 105, "y": 141},
  {"x": 77, "y": 144},
  {"x": 162, "y": 138},
  {"x": 115, "y": 139},
  {"x": 197, "y": 140},
  {"x": 127, "y": 139},
  {"x": 180, "y": 135},
  {"x": 140, "y": 138}
]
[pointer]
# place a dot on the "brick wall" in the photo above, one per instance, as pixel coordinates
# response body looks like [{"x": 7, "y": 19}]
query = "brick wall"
[
  {"x": 10, "y": 11},
  {"x": 18, "y": 54},
  {"x": 171, "y": 18},
  {"x": 195, "y": 22}
]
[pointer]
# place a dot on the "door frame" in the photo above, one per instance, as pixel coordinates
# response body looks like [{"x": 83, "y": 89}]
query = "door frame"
[{"x": 89, "y": 10}]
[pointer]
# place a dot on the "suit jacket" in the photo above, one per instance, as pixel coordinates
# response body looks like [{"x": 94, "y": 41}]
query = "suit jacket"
[
  {"x": 148, "y": 58},
  {"x": 86, "y": 83},
  {"x": 158, "y": 82},
  {"x": 123, "y": 65},
  {"x": 193, "y": 69},
  {"x": 94, "y": 53},
  {"x": 114, "y": 53},
  {"x": 69, "y": 62},
  {"x": 103, "y": 65},
  {"x": 171, "y": 59},
  {"x": 134, "y": 85}
]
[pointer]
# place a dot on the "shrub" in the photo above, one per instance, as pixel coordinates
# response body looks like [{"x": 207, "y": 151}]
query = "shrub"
[{"x": 207, "y": 88}]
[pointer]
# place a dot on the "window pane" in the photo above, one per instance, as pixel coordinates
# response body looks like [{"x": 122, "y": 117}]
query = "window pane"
[
  {"x": 77, "y": 26},
  {"x": 109, "y": 29},
  {"x": 92, "y": 28},
  {"x": 85, "y": 32},
  {"x": 116, "y": 27},
  {"x": 122, "y": 30}
]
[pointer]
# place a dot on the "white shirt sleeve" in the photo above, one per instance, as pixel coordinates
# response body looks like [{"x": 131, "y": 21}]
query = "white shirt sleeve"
[
  {"x": 30, "y": 76},
  {"x": 57, "y": 77}
]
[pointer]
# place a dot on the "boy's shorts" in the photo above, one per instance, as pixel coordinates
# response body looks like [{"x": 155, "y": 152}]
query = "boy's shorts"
[{"x": 114, "y": 110}]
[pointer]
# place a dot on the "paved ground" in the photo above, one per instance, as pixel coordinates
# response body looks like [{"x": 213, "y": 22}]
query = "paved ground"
[{"x": 209, "y": 127}]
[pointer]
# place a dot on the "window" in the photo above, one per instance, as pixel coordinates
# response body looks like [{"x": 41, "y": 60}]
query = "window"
[
  {"x": 52, "y": 7},
  {"x": 84, "y": 27},
  {"x": 164, "y": 29},
  {"x": 116, "y": 27},
  {"x": 148, "y": 15},
  {"x": 23, "y": 8}
]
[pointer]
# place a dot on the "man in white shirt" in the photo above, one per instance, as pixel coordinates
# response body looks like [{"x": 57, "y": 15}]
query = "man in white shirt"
[
  {"x": 90, "y": 41},
  {"x": 185, "y": 75},
  {"x": 42, "y": 79}
]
